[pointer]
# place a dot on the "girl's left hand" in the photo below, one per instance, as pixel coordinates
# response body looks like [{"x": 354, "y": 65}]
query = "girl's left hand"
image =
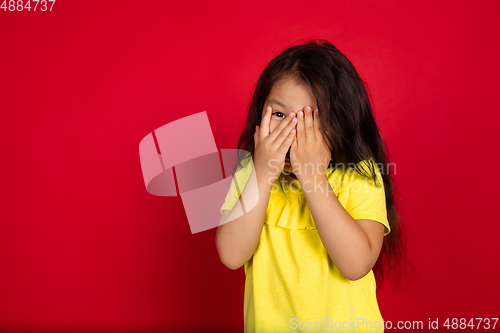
[{"x": 309, "y": 147}]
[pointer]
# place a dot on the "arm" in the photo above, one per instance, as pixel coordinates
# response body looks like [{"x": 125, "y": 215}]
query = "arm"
[
  {"x": 353, "y": 245},
  {"x": 237, "y": 240}
]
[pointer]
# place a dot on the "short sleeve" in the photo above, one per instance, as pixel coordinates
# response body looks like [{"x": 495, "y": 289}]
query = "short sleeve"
[
  {"x": 366, "y": 199},
  {"x": 238, "y": 183}
]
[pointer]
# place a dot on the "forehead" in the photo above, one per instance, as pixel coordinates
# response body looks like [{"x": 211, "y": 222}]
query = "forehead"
[{"x": 291, "y": 95}]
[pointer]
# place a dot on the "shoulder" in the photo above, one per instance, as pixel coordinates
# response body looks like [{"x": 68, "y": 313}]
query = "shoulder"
[
  {"x": 342, "y": 176},
  {"x": 363, "y": 171},
  {"x": 244, "y": 169},
  {"x": 366, "y": 196}
]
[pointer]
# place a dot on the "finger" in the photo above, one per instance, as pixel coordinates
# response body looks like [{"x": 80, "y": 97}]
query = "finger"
[
  {"x": 283, "y": 124},
  {"x": 294, "y": 145},
  {"x": 265, "y": 123},
  {"x": 282, "y": 134},
  {"x": 289, "y": 139},
  {"x": 317, "y": 129},
  {"x": 300, "y": 128},
  {"x": 309, "y": 125},
  {"x": 256, "y": 135}
]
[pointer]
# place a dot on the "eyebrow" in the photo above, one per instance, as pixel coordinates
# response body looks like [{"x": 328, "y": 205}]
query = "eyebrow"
[{"x": 274, "y": 101}]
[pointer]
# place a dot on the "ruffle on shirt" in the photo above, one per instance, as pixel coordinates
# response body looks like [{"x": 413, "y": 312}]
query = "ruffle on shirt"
[
  {"x": 288, "y": 207},
  {"x": 289, "y": 213}
]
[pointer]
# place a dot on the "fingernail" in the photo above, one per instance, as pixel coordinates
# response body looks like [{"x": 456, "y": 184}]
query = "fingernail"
[
  {"x": 308, "y": 108},
  {"x": 316, "y": 112},
  {"x": 268, "y": 108}
]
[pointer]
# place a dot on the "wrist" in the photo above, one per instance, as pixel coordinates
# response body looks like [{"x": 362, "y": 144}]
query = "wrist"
[
  {"x": 264, "y": 182},
  {"x": 313, "y": 182}
]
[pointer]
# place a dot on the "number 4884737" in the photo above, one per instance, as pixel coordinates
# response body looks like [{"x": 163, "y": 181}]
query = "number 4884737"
[{"x": 28, "y": 5}]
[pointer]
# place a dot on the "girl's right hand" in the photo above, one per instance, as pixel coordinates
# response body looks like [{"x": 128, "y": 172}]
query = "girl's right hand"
[{"x": 271, "y": 148}]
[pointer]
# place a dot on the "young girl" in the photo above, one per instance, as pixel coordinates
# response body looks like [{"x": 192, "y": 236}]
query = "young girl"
[{"x": 310, "y": 212}]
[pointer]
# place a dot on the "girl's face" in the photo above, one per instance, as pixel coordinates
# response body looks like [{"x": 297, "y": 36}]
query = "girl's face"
[{"x": 286, "y": 97}]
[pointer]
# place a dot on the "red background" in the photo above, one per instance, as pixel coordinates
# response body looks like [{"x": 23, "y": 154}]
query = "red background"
[{"x": 84, "y": 246}]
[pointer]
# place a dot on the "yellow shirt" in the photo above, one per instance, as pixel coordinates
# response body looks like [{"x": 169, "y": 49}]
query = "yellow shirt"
[{"x": 291, "y": 283}]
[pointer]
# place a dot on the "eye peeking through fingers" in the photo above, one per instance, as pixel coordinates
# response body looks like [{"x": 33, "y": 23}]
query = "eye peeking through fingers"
[{"x": 279, "y": 114}]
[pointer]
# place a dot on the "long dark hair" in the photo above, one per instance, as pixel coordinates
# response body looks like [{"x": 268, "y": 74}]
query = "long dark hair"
[{"x": 348, "y": 123}]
